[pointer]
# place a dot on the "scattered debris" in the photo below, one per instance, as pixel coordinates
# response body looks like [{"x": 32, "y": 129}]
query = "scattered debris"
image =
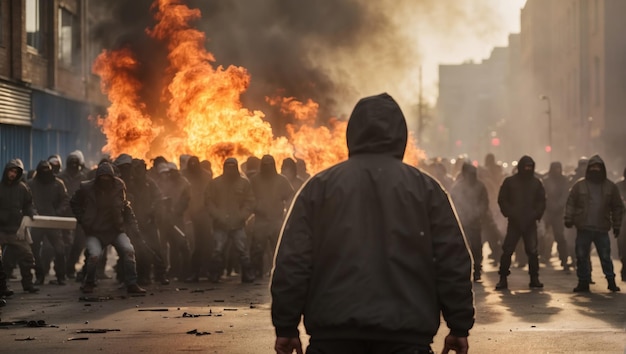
[
  {"x": 195, "y": 331},
  {"x": 219, "y": 331},
  {"x": 218, "y": 300},
  {"x": 154, "y": 310},
  {"x": 185, "y": 314},
  {"x": 40, "y": 323},
  {"x": 229, "y": 309},
  {"x": 78, "y": 338},
  {"x": 25, "y": 339},
  {"x": 98, "y": 330},
  {"x": 197, "y": 291},
  {"x": 95, "y": 298}
]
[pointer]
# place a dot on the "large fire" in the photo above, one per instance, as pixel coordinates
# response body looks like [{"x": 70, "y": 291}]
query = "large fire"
[{"x": 204, "y": 115}]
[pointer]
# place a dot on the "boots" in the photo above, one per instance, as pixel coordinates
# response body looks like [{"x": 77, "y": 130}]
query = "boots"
[
  {"x": 502, "y": 284},
  {"x": 534, "y": 282},
  {"x": 581, "y": 288},
  {"x": 612, "y": 286}
]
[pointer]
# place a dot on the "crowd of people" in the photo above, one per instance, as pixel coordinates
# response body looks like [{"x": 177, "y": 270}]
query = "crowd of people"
[
  {"x": 573, "y": 209},
  {"x": 170, "y": 221}
]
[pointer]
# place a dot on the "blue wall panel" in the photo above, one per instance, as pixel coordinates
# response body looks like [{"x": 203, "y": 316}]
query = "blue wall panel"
[{"x": 15, "y": 143}]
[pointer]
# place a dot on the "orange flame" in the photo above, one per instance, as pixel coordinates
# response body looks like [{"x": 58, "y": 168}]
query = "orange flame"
[{"x": 205, "y": 116}]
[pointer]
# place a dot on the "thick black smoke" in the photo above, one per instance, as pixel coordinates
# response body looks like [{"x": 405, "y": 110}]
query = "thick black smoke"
[{"x": 278, "y": 41}]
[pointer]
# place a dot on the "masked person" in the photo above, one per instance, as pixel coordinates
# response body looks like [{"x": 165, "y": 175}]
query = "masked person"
[
  {"x": 522, "y": 200},
  {"x": 55, "y": 162},
  {"x": 147, "y": 204},
  {"x": 621, "y": 241},
  {"x": 199, "y": 180},
  {"x": 230, "y": 203},
  {"x": 50, "y": 199},
  {"x": 371, "y": 253},
  {"x": 177, "y": 195},
  {"x": 272, "y": 194},
  {"x": 72, "y": 176},
  {"x": 556, "y": 186},
  {"x": 472, "y": 203},
  {"x": 594, "y": 206},
  {"x": 101, "y": 208},
  {"x": 289, "y": 170},
  {"x": 16, "y": 202}
]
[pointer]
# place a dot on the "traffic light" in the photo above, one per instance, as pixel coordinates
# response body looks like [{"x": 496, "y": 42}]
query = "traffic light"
[
  {"x": 548, "y": 148},
  {"x": 495, "y": 141}
]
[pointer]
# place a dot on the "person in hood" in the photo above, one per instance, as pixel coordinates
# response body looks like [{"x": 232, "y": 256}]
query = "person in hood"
[
  {"x": 199, "y": 180},
  {"x": 289, "y": 170},
  {"x": 177, "y": 196},
  {"x": 621, "y": 241},
  {"x": 359, "y": 248},
  {"x": 522, "y": 200},
  {"x": 556, "y": 186},
  {"x": 230, "y": 202},
  {"x": 101, "y": 208},
  {"x": 72, "y": 176},
  {"x": 594, "y": 206},
  {"x": 16, "y": 202},
  {"x": 252, "y": 166},
  {"x": 470, "y": 199},
  {"x": 55, "y": 162},
  {"x": 272, "y": 194},
  {"x": 50, "y": 199}
]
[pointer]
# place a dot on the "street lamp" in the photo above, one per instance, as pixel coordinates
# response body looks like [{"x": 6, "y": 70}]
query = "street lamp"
[{"x": 549, "y": 113}]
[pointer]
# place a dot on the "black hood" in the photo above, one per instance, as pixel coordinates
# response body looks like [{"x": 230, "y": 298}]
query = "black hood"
[
  {"x": 15, "y": 163},
  {"x": 556, "y": 169},
  {"x": 596, "y": 160},
  {"x": 377, "y": 126},
  {"x": 525, "y": 160},
  {"x": 268, "y": 166},
  {"x": 105, "y": 168},
  {"x": 469, "y": 172},
  {"x": 45, "y": 174},
  {"x": 231, "y": 168},
  {"x": 193, "y": 165},
  {"x": 288, "y": 167}
]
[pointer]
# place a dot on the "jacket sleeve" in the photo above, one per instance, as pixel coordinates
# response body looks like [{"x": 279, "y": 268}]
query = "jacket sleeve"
[
  {"x": 540, "y": 201},
  {"x": 62, "y": 209},
  {"x": 248, "y": 203},
  {"x": 617, "y": 208},
  {"x": 77, "y": 204},
  {"x": 503, "y": 199},
  {"x": 570, "y": 205},
  {"x": 28, "y": 208},
  {"x": 453, "y": 265},
  {"x": 292, "y": 269},
  {"x": 209, "y": 201}
]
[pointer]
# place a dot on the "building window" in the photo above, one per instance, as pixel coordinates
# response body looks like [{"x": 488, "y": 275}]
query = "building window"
[
  {"x": 34, "y": 24},
  {"x": 68, "y": 49}
]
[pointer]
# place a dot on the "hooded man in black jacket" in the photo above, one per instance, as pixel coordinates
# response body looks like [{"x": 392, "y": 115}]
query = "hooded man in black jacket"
[
  {"x": 51, "y": 199},
  {"x": 371, "y": 252},
  {"x": 522, "y": 200},
  {"x": 101, "y": 208},
  {"x": 16, "y": 201}
]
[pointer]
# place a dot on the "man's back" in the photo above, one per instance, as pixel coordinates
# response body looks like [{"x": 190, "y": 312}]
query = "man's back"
[{"x": 371, "y": 248}]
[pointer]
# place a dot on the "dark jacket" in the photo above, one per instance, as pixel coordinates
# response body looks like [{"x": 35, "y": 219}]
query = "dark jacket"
[
  {"x": 272, "y": 192},
  {"x": 371, "y": 248},
  {"x": 522, "y": 198},
  {"x": 230, "y": 202},
  {"x": 557, "y": 189},
  {"x": 16, "y": 200},
  {"x": 49, "y": 193},
  {"x": 470, "y": 198},
  {"x": 578, "y": 202},
  {"x": 144, "y": 194},
  {"x": 199, "y": 180},
  {"x": 103, "y": 213},
  {"x": 73, "y": 174}
]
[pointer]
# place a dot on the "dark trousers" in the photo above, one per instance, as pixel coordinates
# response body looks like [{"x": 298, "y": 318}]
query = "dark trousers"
[
  {"x": 76, "y": 249},
  {"x": 554, "y": 222},
  {"x": 149, "y": 253},
  {"x": 265, "y": 235},
  {"x": 584, "y": 239},
  {"x": 42, "y": 260},
  {"x": 18, "y": 252},
  {"x": 472, "y": 234},
  {"x": 364, "y": 347},
  {"x": 203, "y": 245},
  {"x": 513, "y": 235}
]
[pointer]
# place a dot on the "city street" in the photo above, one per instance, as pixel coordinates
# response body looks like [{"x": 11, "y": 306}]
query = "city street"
[{"x": 236, "y": 318}]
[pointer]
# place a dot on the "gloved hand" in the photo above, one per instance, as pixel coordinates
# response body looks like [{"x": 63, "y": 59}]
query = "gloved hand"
[
  {"x": 569, "y": 224},
  {"x": 615, "y": 232}
]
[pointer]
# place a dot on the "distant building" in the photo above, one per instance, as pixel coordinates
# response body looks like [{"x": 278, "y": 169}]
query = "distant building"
[
  {"x": 571, "y": 53},
  {"x": 47, "y": 91}
]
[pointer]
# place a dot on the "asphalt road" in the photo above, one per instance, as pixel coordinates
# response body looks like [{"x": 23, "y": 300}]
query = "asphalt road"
[{"x": 552, "y": 320}]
